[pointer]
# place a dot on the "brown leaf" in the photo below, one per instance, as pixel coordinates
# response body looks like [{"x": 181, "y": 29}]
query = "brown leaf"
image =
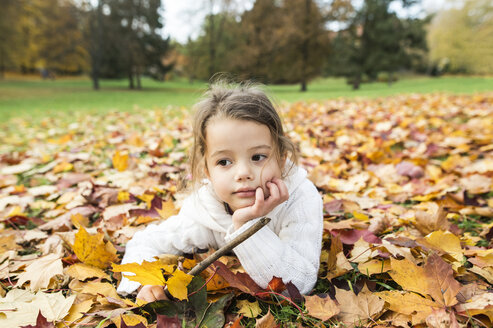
[
  {"x": 440, "y": 281},
  {"x": 320, "y": 307},
  {"x": 440, "y": 318},
  {"x": 239, "y": 280},
  {"x": 431, "y": 219},
  {"x": 267, "y": 321},
  {"x": 358, "y": 309}
]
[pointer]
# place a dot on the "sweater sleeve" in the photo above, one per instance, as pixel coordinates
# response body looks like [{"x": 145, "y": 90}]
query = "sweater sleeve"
[
  {"x": 177, "y": 235},
  {"x": 294, "y": 254}
]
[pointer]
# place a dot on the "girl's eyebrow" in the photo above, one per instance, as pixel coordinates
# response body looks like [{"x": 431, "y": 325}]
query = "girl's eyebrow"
[{"x": 226, "y": 151}]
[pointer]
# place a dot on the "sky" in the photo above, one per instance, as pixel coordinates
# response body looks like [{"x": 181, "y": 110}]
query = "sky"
[{"x": 183, "y": 18}]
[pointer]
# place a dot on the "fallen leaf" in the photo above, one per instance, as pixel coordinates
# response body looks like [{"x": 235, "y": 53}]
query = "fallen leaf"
[
  {"x": 92, "y": 250},
  {"x": 248, "y": 309},
  {"x": 177, "y": 284},
  {"x": 358, "y": 309},
  {"x": 40, "y": 272},
  {"x": 41, "y": 322},
  {"x": 320, "y": 307},
  {"x": 147, "y": 273},
  {"x": 267, "y": 321},
  {"x": 120, "y": 161},
  {"x": 82, "y": 271}
]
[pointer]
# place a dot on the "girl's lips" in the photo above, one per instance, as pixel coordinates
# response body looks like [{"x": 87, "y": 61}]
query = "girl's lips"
[{"x": 245, "y": 193}]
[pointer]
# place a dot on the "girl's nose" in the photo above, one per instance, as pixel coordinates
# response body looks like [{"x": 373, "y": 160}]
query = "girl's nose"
[{"x": 243, "y": 172}]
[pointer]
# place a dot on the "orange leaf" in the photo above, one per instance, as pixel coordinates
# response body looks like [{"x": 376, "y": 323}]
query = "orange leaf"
[{"x": 120, "y": 161}]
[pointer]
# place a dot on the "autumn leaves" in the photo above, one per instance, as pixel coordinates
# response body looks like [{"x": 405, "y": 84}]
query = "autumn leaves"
[{"x": 407, "y": 185}]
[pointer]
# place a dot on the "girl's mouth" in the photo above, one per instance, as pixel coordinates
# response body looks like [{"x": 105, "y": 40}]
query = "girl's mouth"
[{"x": 245, "y": 193}]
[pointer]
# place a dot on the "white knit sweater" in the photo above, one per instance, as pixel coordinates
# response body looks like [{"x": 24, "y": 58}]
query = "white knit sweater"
[{"x": 287, "y": 247}]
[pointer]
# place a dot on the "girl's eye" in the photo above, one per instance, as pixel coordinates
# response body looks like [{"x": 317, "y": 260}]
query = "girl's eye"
[
  {"x": 258, "y": 157},
  {"x": 223, "y": 162}
]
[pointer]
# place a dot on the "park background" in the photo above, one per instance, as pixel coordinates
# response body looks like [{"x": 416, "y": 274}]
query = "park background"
[
  {"x": 390, "y": 104},
  {"x": 52, "y": 52}
]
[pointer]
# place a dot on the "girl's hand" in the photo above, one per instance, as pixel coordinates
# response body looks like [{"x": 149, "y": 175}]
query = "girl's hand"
[
  {"x": 278, "y": 193},
  {"x": 151, "y": 293}
]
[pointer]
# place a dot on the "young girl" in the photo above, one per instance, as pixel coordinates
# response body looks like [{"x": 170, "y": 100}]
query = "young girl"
[{"x": 247, "y": 167}]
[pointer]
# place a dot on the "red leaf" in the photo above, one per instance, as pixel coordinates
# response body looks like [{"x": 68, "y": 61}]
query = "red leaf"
[
  {"x": 276, "y": 285},
  {"x": 239, "y": 280},
  {"x": 164, "y": 321},
  {"x": 349, "y": 237}
]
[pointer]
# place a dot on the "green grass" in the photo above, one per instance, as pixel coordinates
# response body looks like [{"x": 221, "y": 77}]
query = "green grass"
[{"x": 36, "y": 98}]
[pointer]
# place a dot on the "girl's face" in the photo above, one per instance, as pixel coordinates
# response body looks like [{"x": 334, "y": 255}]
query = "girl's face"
[{"x": 240, "y": 158}]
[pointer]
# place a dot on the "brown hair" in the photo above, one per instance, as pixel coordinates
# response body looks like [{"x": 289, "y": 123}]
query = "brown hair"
[{"x": 243, "y": 101}]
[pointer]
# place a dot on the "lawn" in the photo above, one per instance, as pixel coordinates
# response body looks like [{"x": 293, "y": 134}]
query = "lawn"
[{"x": 37, "y": 98}]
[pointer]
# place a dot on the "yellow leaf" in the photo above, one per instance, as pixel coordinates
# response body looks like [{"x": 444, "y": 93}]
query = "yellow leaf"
[
  {"x": 147, "y": 273},
  {"x": 144, "y": 219},
  {"x": 177, "y": 284},
  {"x": 409, "y": 304},
  {"x": 130, "y": 320},
  {"x": 321, "y": 308},
  {"x": 168, "y": 209},
  {"x": 146, "y": 198},
  {"x": 248, "y": 309},
  {"x": 123, "y": 196},
  {"x": 103, "y": 288},
  {"x": 92, "y": 250},
  {"x": 77, "y": 310},
  {"x": 83, "y": 271},
  {"x": 63, "y": 167},
  {"x": 374, "y": 267},
  {"x": 360, "y": 216},
  {"x": 408, "y": 275},
  {"x": 120, "y": 161},
  {"x": 79, "y": 220},
  {"x": 447, "y": 242}
]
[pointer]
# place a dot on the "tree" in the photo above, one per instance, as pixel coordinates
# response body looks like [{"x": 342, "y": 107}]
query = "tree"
[
  {"x": 463, "y": 38},
  {"x": 376, "y": 40},
  {"x": 9, "y": 34},
  {"x": 282, "y": 42},
  {"x": 125, "y": 39}
]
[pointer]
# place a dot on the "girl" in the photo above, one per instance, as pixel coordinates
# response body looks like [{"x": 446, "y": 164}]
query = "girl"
[{"x": 247, "y": 167}]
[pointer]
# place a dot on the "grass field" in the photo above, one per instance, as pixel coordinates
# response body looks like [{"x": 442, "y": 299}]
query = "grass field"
[{"x": 36, "y": 98}]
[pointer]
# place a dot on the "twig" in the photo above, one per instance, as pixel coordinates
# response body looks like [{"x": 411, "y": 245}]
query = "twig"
[{"x": 229, "y": 246}]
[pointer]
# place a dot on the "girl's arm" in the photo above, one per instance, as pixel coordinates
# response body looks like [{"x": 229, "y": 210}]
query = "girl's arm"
[
  {"x": 177, "y": 235},
  {"x": 294, "y": 254}
]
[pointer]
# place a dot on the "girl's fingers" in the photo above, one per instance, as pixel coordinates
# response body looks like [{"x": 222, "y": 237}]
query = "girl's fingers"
[
  {"x": 283, "y": 189},
  {"x": 274, "y": 191}
]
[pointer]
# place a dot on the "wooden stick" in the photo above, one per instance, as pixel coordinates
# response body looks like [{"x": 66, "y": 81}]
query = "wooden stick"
[{"x": 229, "y": 246}]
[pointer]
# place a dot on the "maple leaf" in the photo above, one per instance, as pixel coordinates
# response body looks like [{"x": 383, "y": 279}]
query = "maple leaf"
[
  {"x": 248, "y": 309},
  {"x": 320, "y": 307},
  {"x": 92, "y": 250},
  {"x": 358, "y": 309},
  {"x": 147, "y": 273},
  {"x": 239, "y": 280},
  {"x": 40, "y": 272},
  {"x": 177, "y": 284},
  {"x": 267, "y": 321},
  {"x": 410, "y": 304},
  {"x": 84, "y": 271}
]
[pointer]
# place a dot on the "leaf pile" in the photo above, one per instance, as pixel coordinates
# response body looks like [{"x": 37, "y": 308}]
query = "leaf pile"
[{"x": 407, "y": 184}]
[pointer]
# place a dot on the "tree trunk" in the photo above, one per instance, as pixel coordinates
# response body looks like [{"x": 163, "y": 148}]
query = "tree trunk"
[
  {"x": 212, "y": 46},
  {"x": 357, "y": 81},
  {"x": 304, "y": 47},
  {"x": 137, "y": 77},
  {"x": 131, "y": 78},
  {"x": 97, "y": 38},
  {"x": 390, "y": 80},
  {"x": 2, "y": 64}
]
